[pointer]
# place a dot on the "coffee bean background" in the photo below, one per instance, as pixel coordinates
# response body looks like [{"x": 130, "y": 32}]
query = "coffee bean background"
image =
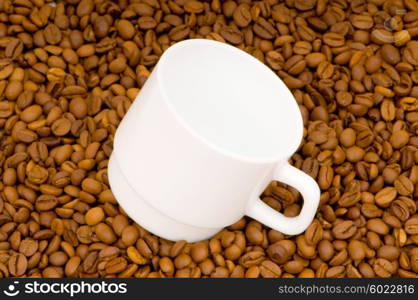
[{"x": 69, "y": 72}]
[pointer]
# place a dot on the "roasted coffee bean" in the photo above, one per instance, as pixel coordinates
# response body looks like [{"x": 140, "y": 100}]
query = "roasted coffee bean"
[
  {"x": 264, "y": 29},
  {"x": 242, "y": 15},
  {"x": 231, "y": 35},
  {"x": 314, "y": 233},
  {"x": 94, "y": 216},
  {"x": 344, "y": 230},
  {"x": 105, "y": 233},
  {"x": 17, "y": 264}
]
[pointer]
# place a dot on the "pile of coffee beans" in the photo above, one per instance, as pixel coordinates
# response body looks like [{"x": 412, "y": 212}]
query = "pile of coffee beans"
[{"x": 69, "y": 71}]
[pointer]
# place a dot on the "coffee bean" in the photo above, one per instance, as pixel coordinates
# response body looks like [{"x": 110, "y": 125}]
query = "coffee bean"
[
  {"x": 52, "y": 34},
  {"x": 378, "y": 226},
  {"x": 242, "y": 15},
  {"x": 61, "y": 127},
  {"x": 390, "y": 54},
  {"x": 384, "y": 197},
  {"x": 411, "y": 226},
  {"x": 105, "y": 233},
  {"x": 314, "y": 233},
  {"x": 130, "y": 235},
  {"x": 264, "y": 29},
  {"x": 14, "y": 48},
  {"x": 333, "y": 39},
  {"x": 116, "y": 265},
  {"x": 364, "y": 22},
  {"x": 231, "y": 35},
  {"x": 293, "y": 267},
  {"x": 94, "y": 216},
  {"x": 17, "y": 264},
  {"x": 383, "y": 268},
  {"x": 404, "y": 186},
  {"x": 179, "y": 32},
  {"x": 278, "y": 252},
  {"x": 72, "y": 266},
  {"x": 125, "y": 29},
  {"x": 344, "y": 230},
  {"x": 91, "y": 186},
  {"x": 58, "y": 258},
  {"x": 269, "y": 269},
  {"x": 356, "y": 250},
  {"x": 135, "y": 256}
]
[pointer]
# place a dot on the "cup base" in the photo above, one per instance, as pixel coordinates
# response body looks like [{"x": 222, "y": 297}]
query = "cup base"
[{"x": 147, "y": 216}]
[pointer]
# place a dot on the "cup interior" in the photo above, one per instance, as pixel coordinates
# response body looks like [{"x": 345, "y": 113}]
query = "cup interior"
[{"x": 230, "y": 100}]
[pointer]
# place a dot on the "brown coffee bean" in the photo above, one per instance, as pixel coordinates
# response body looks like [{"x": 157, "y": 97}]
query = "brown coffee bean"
[
  {"x": 28, "y": 247},
  {"x": 125, "y": 29},
  {"x": 58, "y": 258},
  {"x": 388, "y": 252},
  {"x": 326, "y": 250},
  {"x": 91, "y": 186},
  {"x": 94, "y": 216},
  {"x": 14, "y": 48},
  {"x": 61, "y": 127},
  {"x": 242, "y": 15},
  {"x": 269, "y": 269},
  {"x": 146, "y": 22},
  {"x": 278, "y": 252},
  {"x": 384, "y": 197},
  {"x": 390, "y": 54},
  {"x": 231, "y": 35},
  {"x": 383, "y": 268},
  {"x": 78, "y": 107},
  {"x": 166, "y": 265},
  {"x": 101, "y": 26},
  {"x": 179, "y": 32},
  {"x": 344, "y": 230},
  {"x": 199, "y": 252},
  {"x": 72, "y": 266},
  {"x": 293, "y": 267},
  {"x": 378, "y": 226},
  {"x": 325, "y": 177},
  {"x": 26, "y": 136},
  {"x": 135, "y": 256},
  {"x": 314, "y": 233},
  {"x": 411, "y": 226},
  {"x": 355, "y": 154},
  {"x": 404, "y": 185},
  {"x": 251, "y": 259},
  {"x": 194, "y": 7},
  {"x": 305, "y": 5},
  {"x": 17, "y": 264},
  {"x": 399, "y": 138},
  {"x": 130, "y": 235},
  {"x": 356, "y": 250},
  {"x": 52, "y": 34},
  {"x": 31, "y": 113},
  {"x": 53, "y": 272},
  {"x": 388, "y": 110},
  {"x": 264, "y": 29},
  {"x": 364, "y": 22},
  {"x": 105, "y": 233},
  {"x": 333, "y": 39}
]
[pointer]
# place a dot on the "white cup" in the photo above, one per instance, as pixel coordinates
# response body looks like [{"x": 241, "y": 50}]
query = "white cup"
[{"x": 210, "y": 129}]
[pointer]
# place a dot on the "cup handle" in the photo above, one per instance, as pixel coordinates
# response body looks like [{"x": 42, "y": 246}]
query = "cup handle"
[{"x": 289, "y": 225}]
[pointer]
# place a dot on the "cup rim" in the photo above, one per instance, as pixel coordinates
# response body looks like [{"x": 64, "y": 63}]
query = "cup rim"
[{"x": 298, "y": 127}]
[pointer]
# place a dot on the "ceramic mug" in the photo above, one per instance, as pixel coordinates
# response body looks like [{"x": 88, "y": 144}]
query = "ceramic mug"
[{"x": 209, "y": 130}]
